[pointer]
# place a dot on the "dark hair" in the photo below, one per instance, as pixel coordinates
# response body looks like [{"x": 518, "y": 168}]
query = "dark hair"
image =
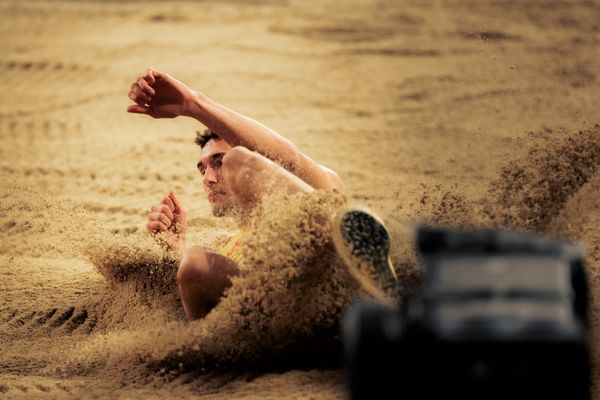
[{"x": 203, "y": 137}]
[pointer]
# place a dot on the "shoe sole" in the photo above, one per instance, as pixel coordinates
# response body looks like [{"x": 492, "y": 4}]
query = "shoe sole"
[{"x": 363, "y": 242}]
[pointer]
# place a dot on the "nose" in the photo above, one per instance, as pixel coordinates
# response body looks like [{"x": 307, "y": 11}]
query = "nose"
[{"x": 210, "y": 176}]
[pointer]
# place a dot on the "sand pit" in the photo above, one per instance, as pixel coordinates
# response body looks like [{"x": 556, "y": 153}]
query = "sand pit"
[{"x": 455, "y": 113}]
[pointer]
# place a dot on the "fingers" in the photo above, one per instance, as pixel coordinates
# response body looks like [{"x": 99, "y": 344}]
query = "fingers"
[
  {"x": 159, "y": 75},
  {"x": 139, "y": 109},
  {"x": 153, "y": 75},
  {"x": 138, "y": 95},
  {"x": 159, "y": 217},
  {"x": 141, "y": 92},
  {"x": 145, "y": 87},
  {"x": 141, "y": 100},
  {"x": 169, "y": 203},
  {"x": 156, "y": 226},
  {"x": 163, "y": 209},
  {"x": 176, "y": 203},
  {"x": 149, "y": 77}
]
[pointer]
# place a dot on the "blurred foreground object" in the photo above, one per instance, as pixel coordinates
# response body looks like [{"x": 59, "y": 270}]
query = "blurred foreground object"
[{"x": 500, "y": 315}]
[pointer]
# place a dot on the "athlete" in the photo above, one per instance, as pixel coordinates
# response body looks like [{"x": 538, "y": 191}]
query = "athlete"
[{"x": 241, "y": 161}]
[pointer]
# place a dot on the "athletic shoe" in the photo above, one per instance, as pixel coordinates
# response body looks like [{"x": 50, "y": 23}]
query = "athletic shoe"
[{"x": 363, "y": 242}]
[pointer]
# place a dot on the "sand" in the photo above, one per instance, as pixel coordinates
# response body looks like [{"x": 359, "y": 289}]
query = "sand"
[{"x": 450, "y": 112}]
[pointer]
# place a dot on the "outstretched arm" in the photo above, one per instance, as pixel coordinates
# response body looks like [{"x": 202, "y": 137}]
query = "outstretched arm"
[{"x": 161, "y": 96}]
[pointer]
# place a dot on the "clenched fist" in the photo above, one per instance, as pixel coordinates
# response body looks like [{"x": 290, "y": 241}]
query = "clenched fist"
[
  {"x": 159, "y": 95},
  {"x": 167, "y": 221}
]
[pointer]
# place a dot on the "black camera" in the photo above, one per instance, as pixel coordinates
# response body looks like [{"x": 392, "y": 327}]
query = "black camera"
[{"x": 500, "y": 315}]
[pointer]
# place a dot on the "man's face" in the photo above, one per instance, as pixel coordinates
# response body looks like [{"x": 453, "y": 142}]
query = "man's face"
[{"x": 210, "y": 166}]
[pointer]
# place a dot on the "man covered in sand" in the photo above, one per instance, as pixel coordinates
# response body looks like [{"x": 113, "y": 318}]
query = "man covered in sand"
[{"x": 241, "y": 161}]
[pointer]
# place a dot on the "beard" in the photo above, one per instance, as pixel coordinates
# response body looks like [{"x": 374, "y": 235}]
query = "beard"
[{"x": 227, "y": 209}]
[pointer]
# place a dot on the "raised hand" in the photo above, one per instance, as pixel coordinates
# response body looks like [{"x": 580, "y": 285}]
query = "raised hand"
[{"x": 159, "y": 95}]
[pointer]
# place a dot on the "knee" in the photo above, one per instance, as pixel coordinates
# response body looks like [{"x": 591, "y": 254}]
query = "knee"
[
  {"x": 238, "y": 164},
  {"x": 205, "y": 273},
  {"x": 193, "y": 266},
  {"x": 236, "y": 159},
  {"x": 192, "y": 277}
]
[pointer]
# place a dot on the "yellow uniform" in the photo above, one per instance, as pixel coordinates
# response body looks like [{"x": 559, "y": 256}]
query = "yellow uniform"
[{"x": 233, "y": 249}]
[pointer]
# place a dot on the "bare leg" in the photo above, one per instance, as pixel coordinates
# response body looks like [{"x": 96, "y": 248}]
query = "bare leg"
[
  {"x": 251, "y": 176},
  {"x": 202, "y": 277}
]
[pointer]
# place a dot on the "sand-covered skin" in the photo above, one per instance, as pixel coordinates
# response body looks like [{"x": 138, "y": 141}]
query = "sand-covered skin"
[{"x": 452, "y": 112}]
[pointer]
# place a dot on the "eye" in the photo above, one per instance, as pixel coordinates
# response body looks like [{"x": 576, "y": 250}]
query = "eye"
[
  {"x": 201, "y": 168},
  {"x": 216, "y": 161}
]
